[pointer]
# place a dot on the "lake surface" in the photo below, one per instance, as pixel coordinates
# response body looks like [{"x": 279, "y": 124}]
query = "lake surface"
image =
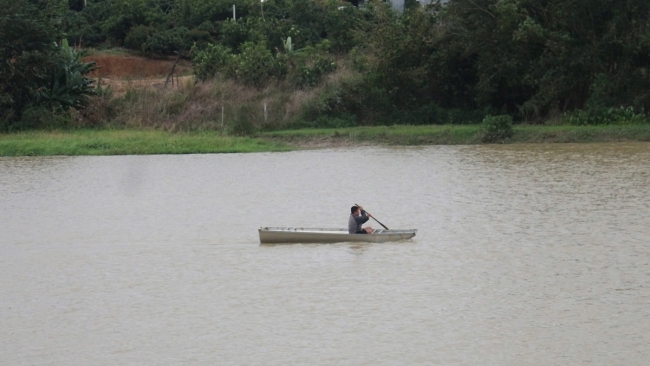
[{"x": 525, "y": 255}]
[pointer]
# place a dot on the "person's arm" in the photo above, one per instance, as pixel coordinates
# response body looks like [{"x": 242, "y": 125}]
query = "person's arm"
[{"x": 361, "y": 219}]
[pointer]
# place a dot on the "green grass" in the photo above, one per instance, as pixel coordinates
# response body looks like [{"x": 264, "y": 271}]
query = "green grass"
[
  {"x": 128, "y": 142},
  {"x": 394, "y": 135},
  {"x": 137, "y": 142},
  {"x": 461, "y": 134},
  {"x": 609, "y": 133}
]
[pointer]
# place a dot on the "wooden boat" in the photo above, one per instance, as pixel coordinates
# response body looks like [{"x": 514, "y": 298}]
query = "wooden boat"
[{"x": 276, "y": 235}]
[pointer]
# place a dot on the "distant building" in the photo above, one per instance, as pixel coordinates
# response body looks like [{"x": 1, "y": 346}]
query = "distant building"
[{"x": 399, "y": 4}]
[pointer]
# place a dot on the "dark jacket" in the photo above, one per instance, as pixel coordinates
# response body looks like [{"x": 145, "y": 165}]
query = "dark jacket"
[{"x": 355, "y": 222}]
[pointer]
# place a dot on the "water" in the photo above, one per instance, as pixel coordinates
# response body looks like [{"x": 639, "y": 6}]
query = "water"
[{"x": 525, "y": 255}]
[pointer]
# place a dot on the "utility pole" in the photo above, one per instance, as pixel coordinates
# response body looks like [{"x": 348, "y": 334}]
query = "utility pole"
[{"x": 262, "y": 6}]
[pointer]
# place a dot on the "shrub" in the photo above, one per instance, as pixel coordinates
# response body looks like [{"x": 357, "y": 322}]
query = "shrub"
[
  {"x": 579, "y": 118},
  {"x": 35, "y": 117},
  {"x": 329, "y": 104},
  {"x": 432, "y": 114},
  {"x": 256, "y": 65},
  {"x": 199, "y": 37},
  {"x": 605, "y": 116},
  {"x": 38, "y": 116},
  {"x": 243, "y": 124},
  {"x": 165, "y": 43},
  {"x": 496, "y": 128},
  {"x": 341, "y": 121},
  {"x": 312, "y": 75},
  {"x": 137, "y": 37},
  {"x": 210, "y": 60},
  {"x": 99, "y": 110}
]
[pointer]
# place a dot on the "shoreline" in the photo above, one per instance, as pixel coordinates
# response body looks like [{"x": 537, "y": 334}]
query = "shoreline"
[
  {"x": 456, "y": 135},
  {"x": 149, "y": 142}
]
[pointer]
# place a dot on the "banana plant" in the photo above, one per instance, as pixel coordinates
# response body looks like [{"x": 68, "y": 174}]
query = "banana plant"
[
  {"x": 68, "y": 86},
  {"x": 288, "y": 47}
]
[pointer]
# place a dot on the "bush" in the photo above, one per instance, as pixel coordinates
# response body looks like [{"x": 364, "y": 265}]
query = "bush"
[
  {"x": 199, "y": 37},
  {"x": 99, "y": 111},
  {"x": 330, "y": 105},
  {"x": 496, "y": 128},
  {"x": 210, "y": 60},
  {"x": 137, "y": 37},
  {"x": 605, "y": 116},
  {"x": 38, "y": 116},
  {"x": 432, "y": 114},
  {"x": 165, "y": 43},
  {"x": 343, "y": 120},
  {"x": 256, "y": 65},
  {"x": 243, "y": 124},
  {"x": 312, "y": 75}
]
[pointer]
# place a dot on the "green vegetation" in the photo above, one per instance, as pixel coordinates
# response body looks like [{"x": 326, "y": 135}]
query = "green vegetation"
[
  {"x": 496, "y": 128},
  {"x": 68, "y": 87},
  {"x": 290, "y": 64},
  {"x": 127, "y": 142},
  {"x": 456, "y": 135},
  {"x": 134, "y": 142},
  {"x": 40, "y": 78}
]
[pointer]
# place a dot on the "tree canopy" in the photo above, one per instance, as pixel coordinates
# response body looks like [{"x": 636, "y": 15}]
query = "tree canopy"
[{"x": 446, "y": 62}]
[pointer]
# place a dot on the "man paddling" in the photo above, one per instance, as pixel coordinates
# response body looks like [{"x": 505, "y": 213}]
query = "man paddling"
[{"x": 357, "y": 218}]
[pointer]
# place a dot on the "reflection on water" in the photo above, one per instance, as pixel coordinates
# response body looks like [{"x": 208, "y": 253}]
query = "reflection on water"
[{"x": 525, "y": 254}]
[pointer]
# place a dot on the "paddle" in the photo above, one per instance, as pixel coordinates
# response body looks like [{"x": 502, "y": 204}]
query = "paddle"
[{"x": 356, "y": 204}]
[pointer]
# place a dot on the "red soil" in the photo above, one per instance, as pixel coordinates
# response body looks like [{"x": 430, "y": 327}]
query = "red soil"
[
  {"x": 133, "y": 67},
  {"x": 127, "y": 72}
]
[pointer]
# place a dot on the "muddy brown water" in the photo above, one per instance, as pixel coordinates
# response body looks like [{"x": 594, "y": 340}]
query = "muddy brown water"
[{"x": 525, "y": 255}]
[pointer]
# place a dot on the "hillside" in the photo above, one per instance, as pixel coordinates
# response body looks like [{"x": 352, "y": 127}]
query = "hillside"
[{"x": 121, "y": 72}]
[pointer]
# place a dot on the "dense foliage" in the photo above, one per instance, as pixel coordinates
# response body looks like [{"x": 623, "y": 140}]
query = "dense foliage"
[
  {"x": 41, "y": 75},
  {"x": 28, "y": 32},
  {"x": 532, "y": 57},
  {"x": 577, "y": 61},
  {"x": 496, "y": 128}
]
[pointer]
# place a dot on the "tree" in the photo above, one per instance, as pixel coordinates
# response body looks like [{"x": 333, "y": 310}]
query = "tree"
[
  {"x": 533, "y": 57},
  {"x": 28, "y": 32}
]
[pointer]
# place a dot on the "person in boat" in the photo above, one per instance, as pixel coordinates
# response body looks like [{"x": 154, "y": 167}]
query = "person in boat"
[{"x": 357, "y": 218}]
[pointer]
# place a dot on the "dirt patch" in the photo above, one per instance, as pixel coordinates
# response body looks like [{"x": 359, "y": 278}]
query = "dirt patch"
[
  {"x": 133, "y": 67},
  {"x": 123, "y": 72},
  {"x": 321, "y": 142}
]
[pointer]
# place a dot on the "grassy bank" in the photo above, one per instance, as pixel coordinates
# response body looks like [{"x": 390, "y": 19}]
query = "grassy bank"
[
  {"x": 128, "y": 142},
  {"x": 456, "y": 135},
  {"x": 132, "y": 142}
]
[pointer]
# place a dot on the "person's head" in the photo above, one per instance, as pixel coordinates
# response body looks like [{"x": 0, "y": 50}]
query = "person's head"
[{"x": 354, "y": 210}]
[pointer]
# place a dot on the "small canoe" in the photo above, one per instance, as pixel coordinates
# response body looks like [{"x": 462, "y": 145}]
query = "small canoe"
[{"x": 277, "y": 235}]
